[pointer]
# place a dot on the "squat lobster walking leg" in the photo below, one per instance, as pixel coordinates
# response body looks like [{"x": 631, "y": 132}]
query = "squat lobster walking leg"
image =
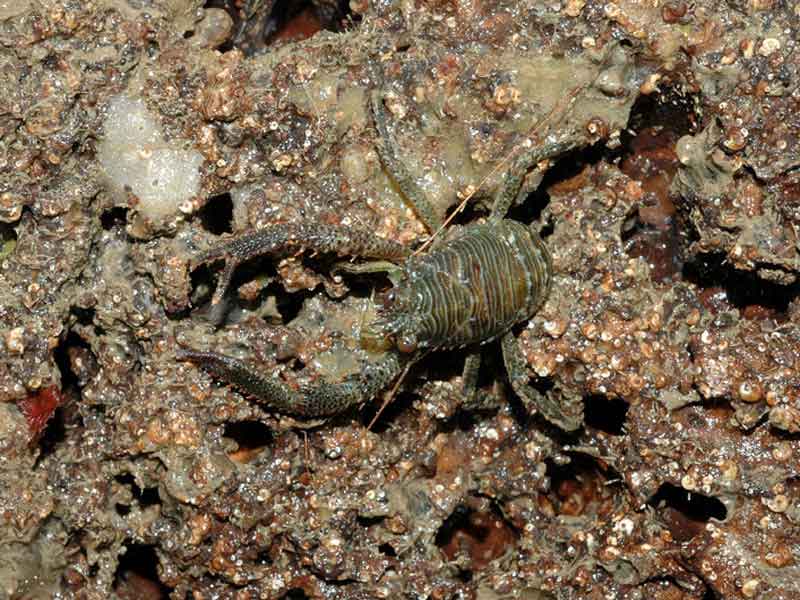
[
  {"x": 532, "y": 398},
  {"x": 387, "y": 150}
]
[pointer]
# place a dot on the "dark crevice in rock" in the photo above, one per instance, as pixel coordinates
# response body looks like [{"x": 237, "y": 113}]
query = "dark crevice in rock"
[
  {"x": 685, "y": 513},
  {"x": 579, "y": 487},
  {"x": 251, "y": 439},
  {"x": 724, "y": 286},
  {"x": 8, "y": 239},
  {"x": 565, "y": 167},
  {"x": 143, "y": 496},
  {"x": 216, "y": 216},
  {"x": 137, "y": 574},
  {"x": 605, "y": 414},
  {"x": 116, "y": 216}
]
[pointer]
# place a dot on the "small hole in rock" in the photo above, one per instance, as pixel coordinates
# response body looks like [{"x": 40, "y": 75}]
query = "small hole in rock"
[
  {"x": 469, "y": 214},
  {"x": 462, "y": 420},
  {"x": 543, "y": 385},
  {"x": 465, "y": 575},
  {"x": 50, "y": 61},
  {"x": 70, "y": 382},
  {"x": 659, "y": 245},
  {"x": 290, "y": 305},
  {"x": 605, "y": 414},
  {"x": 458, "y": 519},
  {"x": 116, "y": 216},
  {"x": 84, "y": 316},
  {"x": 698, "y": 507},
  {"x": 300, "y": 19},
  {"x": 137, "y": 574},
  {"x": 296, "y": 594},
  {"x": 671, "y": 111},
  {"x": 567, "y": 168},
  {"x": 685, "y": 513},
  {"x": 482, "y": 535},
  {"x": 276, "y": 21},
  {"x": 148, "y": 497},
  {"x": 55, "y": 432},
  {"x": 264, "y": 557},
  {"x": 387, "y": 550},
  {"x": 145, "y": 497},
  {"x": 65, "y": 411},
  {"x": 709, "y": 594},
  {"x": 216, "y": 216},
  {"x": 369, "y": 521},
  {"x": 203, "y": 284},
  {"x": 8, "y": 239},
  {"x": 579, "y": 488},
  {"x": 250, "y": 437},
  {"x": 259, "y": 272}
]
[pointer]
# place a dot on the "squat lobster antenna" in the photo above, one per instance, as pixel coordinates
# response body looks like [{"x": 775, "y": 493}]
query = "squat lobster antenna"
[{"x": 389, "y": 396}]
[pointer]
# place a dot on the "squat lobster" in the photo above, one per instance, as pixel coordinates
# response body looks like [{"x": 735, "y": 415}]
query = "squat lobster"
[{"x": 466, "y": 291}]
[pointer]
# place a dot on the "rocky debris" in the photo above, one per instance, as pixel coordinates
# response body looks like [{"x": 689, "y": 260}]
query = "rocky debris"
[{"x": 672, "y": 325}]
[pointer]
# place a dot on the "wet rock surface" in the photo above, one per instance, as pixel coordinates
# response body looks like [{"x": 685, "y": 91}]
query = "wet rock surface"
[{"x": 672, "y": 326}]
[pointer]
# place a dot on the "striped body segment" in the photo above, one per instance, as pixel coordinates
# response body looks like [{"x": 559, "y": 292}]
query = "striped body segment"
[{"x": 470, "y": 289}]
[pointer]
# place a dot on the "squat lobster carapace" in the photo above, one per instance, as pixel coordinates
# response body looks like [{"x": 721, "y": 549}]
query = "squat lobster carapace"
[{"x": 466, "y": 291}]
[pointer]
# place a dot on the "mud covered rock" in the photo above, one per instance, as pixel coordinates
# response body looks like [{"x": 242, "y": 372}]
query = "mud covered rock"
[{"x": 671, "y": 329}]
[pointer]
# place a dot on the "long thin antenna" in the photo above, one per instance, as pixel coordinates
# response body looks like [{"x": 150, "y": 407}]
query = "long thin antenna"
[{"x": 390, "y": 396}]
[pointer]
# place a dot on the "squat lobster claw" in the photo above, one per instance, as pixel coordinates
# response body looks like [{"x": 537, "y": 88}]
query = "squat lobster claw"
[{"x": 466, "y": 291}]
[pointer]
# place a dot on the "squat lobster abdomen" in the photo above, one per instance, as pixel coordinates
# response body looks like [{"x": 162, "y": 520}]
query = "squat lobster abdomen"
[{"x": 470, "y": 289}]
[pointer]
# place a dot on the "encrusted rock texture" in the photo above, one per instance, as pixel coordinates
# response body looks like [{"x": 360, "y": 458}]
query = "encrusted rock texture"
[{"x": 135, "y": 134}]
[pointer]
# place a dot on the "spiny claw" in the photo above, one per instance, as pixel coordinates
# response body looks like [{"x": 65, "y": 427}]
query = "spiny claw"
[
  {"x": 288, "y": 238},
  {"x": 319, "y": 400}
]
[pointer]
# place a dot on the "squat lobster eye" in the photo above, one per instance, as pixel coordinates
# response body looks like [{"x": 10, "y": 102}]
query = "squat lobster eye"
[{"x": 406, "y": 343}]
